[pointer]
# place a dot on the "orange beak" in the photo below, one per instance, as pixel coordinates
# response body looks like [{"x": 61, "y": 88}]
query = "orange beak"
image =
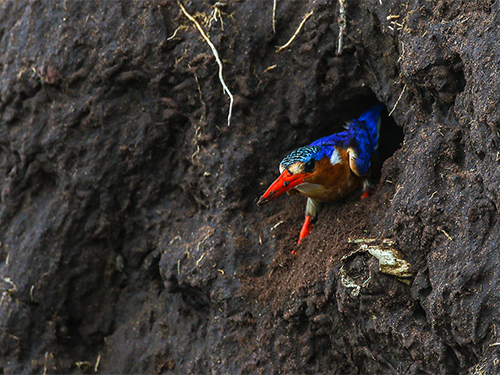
[{"x": 283, "y": 183}]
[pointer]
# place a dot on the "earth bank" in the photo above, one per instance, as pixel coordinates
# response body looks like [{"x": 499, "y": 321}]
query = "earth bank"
[{"x": 130, "y": 238}]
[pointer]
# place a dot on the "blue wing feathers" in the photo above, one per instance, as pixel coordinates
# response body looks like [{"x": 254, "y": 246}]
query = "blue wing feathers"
[
  {"x": 342, "y": 138},
  {"x": 362, "y": 135},
  {"x": 371, "y": 120},
  {"x": 370, "y": 123}
]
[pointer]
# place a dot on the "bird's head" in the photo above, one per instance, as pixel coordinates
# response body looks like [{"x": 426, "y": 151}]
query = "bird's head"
[{"x": 295, "y": 169}]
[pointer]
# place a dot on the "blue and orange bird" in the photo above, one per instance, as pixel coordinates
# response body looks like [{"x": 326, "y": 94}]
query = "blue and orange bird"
[{"x": 330, "y": 168}]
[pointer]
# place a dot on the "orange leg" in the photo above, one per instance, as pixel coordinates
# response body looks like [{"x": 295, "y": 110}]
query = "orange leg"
[
  {"x": 306, "y": 228},
  {"x": 366, "y": 193},
  {"x": 304, "y": 232},
  {"x": 312, "y": 209}
]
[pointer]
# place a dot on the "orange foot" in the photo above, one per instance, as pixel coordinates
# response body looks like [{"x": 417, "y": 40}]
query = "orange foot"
[{"x": 365, "y": 194}]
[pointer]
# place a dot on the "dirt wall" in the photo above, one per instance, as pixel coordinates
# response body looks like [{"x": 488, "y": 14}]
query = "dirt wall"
[{"x": 130, "y": 241}]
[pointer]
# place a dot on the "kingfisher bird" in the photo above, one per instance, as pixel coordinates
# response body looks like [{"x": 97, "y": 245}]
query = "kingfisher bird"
[{"x": 330, "y": 168}]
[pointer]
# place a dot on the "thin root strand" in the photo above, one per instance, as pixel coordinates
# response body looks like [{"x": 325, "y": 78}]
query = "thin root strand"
[
  {"x": 342, "y": 25},
  {"x": 296, "y": 32},
  {"x": 217, "y": 59},
  {"x": 397, "y": 101}
]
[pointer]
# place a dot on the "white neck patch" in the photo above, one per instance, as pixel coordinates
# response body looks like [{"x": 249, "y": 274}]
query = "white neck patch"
[{"x": 335, "y": 158}]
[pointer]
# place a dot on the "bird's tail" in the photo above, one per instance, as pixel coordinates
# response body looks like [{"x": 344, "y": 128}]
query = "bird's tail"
[{"x": 371, "y": 119}]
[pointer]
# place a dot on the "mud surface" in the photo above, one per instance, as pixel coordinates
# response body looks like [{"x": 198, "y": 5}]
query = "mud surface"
[{"x": 130, "y": 238}]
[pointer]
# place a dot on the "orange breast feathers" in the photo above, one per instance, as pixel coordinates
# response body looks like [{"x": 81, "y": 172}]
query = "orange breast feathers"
[{"x": 329, "y": 183}]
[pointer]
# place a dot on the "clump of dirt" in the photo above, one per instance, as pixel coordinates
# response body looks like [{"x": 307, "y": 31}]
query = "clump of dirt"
[{"x": 130, "y": 241}]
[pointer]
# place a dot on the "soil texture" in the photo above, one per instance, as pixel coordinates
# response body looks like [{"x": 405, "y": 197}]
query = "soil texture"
[{"x": 130, "y": 238}]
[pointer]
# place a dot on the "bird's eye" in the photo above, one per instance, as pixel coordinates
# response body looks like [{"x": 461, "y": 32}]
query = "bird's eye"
[{"x": 309, "y": 166}]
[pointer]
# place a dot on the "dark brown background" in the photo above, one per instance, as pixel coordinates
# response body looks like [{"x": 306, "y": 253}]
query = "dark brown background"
[{"x": 130, "y": 237}]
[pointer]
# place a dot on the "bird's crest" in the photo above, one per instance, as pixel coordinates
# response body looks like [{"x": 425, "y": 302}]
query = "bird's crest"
[{"x": 302, "y": 154}]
